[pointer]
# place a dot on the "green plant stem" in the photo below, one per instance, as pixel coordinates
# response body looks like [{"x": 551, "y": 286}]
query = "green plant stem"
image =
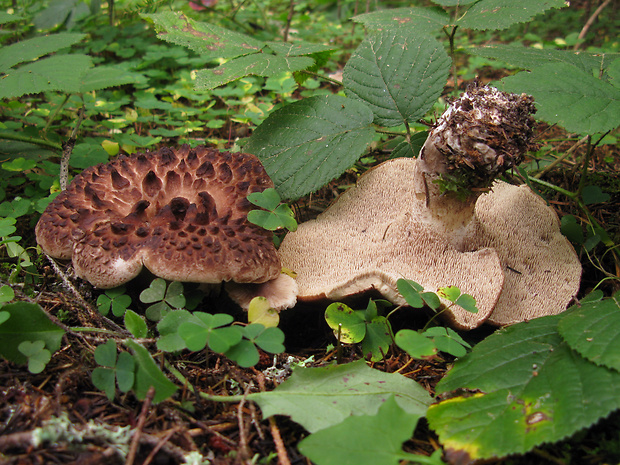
[
  {"x": 30, "y": 140},
  {"x": 387, "y": 132},
  {"x": 54, "y": 113},
  {"x": 451, "y": 35},
  {"x": 320, "y": 76},
  {"x": 584, "y": 168}
]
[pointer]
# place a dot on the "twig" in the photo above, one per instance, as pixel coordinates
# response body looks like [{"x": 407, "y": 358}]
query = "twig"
[
  {"x": 289, "y": 18},
  {"x": 67, "y": 148},
  {"x": 243, "y": 434},
  {"x": 135, "y": 440},
  {"x": 283, "y": 458},
  {"x": 159, "y": 445},
  {"x": 589, "y": 23},
  {"x": 561, "y": 158}
]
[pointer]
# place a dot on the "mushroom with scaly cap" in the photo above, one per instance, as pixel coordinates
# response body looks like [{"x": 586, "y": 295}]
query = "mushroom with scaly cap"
[{"x": 181, "y": 213}]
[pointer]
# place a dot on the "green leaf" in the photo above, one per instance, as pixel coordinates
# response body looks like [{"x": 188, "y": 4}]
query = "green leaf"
[
  {"x": 125, "y": 371},
  {"x": 135, "y": 324},
  {"x": 317, "y": 398},
  {"x": 4, "y": 316},
  {"x": 58, "y": 72},
  {"x": 7, "y": 226},
  {"x": 104, "y": 77},
  {"x": 105, "y": 354},
  {"x": 422, "y": 20},
  {"x": 269, "y": 339},
  {"x": 363, "y": 439},
  {"x": 31, "y": 49},
  {"x": 532, "y": 389},
  {"x": 467, "y": 302},
  {"x": 593, "y": 330},
  {"x": 447, "y": 340},
  {"x": 410, "y": 290},
  {"x": 298, "y": 48},
  {"x": 594, "y": 194},
  {"x": 572, "y": 230},
  {"x": 6, "y": 18},
  {"x": 257, "y": 64},
  {"x": 268, "y": 199},
  {"x": 15, "y": 208},
  {"x": 259, "y": 311},
  {"x": 148, "y": 374},
  {"x": 6, "y": 293},
  {"x": 500, "y": 14},
  {"x": 209, "y": 40},
  {"x": 104, "y": 379},
  {"x": 378, "y": 339},
  {"x": 346, "y": 323},
  {"x": 450, "y": 293},
  {"x": 27, "y": 322},
  {"x": 529, "y": 57},
  {"x": 174, "y": 295},
  {"x": 169, "y": 339},
  {"x": 415, "y": 344},
  {"x": 399, "y": 74},
  {"x": 155, "y": 292},
  {"x": 308, "y": 143},
  {"x": 244, "y": 353},
  {"x": 570, "y": 97},
  {"x": 38, "y": 356}
]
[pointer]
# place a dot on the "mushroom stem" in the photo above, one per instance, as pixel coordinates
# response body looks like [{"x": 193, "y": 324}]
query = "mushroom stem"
[{"x": 481, "y": 135}]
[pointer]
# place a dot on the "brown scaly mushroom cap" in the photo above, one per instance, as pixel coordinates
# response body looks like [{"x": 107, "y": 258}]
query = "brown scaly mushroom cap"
[
  {"x": 398, "y": 222},
  {"x": 181, "y": 213}
]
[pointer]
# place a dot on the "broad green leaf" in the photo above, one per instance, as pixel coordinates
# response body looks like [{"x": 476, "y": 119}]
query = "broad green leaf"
[
  {"x": 377, "y": 340},
  {"x": 298, "y": 48},
  {"x": 4, "y": 316},
  {"x": 453, "y": 2},
  {"x": 306, "y": 144},
  {"x": 27, "y": 322},
  {"x": 570, "y": 97},
  {"x": 317, "y": 398},
  {"x": 103, "y": 77},
  {"x": 148, "y": 374},
  {"x": 346, "y": 323},
  {"x": 399, "y": 74},
  {"x": 529, "y": 57},
  {"x": 415, "y": 344},
  {"x": 6, "y": 293},
  {"x": 209, "y": 40},
  {"x": 571, "y": 229},
  {"x": 31, "y": 49},
  {"x": 593, "y": 330},
  {"x": 135, "y": 324},
  {"x": 423, "y": 20},
  {"x": 364, "y": 439},
  {"x": 257, "y": 64},
  {"x": 59, "y": 72},
  {"x": 531, "y": 389},
  {"x": 500, "y": 14},
  {"x": 9, "y": 18}
]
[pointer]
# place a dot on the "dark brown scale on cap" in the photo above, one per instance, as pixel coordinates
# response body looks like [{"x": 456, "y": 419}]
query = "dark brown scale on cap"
[{"x": 181, "y": 212}]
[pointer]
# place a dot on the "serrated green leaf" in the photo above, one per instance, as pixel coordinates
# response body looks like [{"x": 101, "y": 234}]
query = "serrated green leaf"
[
  {"x": 345, "y": 322},
  {"x": 500, "y": 14},
  {"x": 532, "y": 388},
  {"x": 298, "y": 48},
  {"x": 6, "y": 18},
  {"x": 209, "y": 40},
  {"x": 570, "y": 97},
  {"x": 453, "y": 2},
  {"x": 27, "y": 322},
  {"x": 529, "y": 57},
  {"x": 257, "y": 64},
  {"x": 363, "y": 439},
  {"x": 415, "y": 344},
  {"x": 593, "y": 330},
  {"x": 148, "y": 374},
  {"x": 58, "y": 72},
  {"x": 423, "y": 20},
  {"x": 317, "y": 398},
  {"x": 104, "y": 77},
  {"x": 308, "y": 143},
  {"x": 399, "y": 74},
  {"x": 31, "y": 49}
]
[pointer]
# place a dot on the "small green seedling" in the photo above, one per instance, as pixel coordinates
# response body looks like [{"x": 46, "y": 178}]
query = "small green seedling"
[
  {"x": 114, "y": 299},
  {"x": 36, "y": 353},
  {"x": 276, "y": 215},
  {"x": 163, "y": 297},
  {"x": 113, "y": 370}
]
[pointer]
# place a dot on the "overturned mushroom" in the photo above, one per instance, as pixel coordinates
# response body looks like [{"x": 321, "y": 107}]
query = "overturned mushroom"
[
  {"x": 181, "y": 213},
  {"x": 423, "y": 220}
]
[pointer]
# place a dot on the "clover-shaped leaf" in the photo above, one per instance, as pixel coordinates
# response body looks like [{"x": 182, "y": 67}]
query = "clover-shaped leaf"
[
  {"x": 164, "y": 298},
  {"x": 38, "y": 356},
  {"x": 348, "y": 324},
  {"x": 114, "y": 299},
  {"x": 259, "y": 311},
  {"x": 269, "y": 339},
  {"x": 7, "y": 226},
  {"x": 454, "y": 295},
  {"x": 6, "y": 294},
  {"x": 115, "y": 369},
  {"x": 204, "y": 328},
  {"x": 275, "y": 215},
  {"x": 415, "y": 344}
]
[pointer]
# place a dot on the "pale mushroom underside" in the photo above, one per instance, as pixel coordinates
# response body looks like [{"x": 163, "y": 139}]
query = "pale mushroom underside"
[{"x": 515, "y": 262}]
